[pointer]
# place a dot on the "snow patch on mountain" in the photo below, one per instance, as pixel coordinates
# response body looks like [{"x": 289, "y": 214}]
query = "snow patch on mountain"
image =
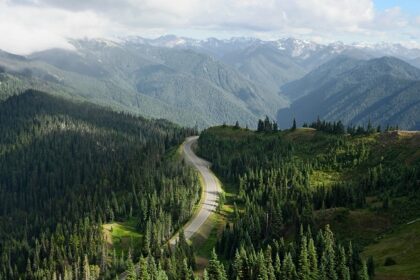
[{"x": 295, "y": 48}]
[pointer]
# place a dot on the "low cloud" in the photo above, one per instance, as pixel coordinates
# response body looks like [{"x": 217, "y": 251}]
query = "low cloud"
[
  {"x": 31, "y": 25},
  {"x": 28, "y": 28}
]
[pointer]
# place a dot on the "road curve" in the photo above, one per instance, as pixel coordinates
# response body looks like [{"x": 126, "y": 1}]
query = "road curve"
[{"x": 211, "y": 190}]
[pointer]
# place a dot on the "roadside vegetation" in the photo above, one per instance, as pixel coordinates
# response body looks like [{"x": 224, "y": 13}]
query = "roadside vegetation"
[
  {"x": 85, "y": 193},
  {"x": 361, "y": 185}
]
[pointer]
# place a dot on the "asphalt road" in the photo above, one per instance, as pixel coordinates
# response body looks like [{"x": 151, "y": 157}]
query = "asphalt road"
[{"x": 211, "y": 191}]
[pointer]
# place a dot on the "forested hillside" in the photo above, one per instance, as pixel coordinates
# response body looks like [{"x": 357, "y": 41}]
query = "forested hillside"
[
  {"x": 384, "y": 91},
  {"x": 174, "y": 84},
  {"x": 211, "y": 82},
  {"x": 306, "y": 202},
  {"x": 66, "y": 168}
]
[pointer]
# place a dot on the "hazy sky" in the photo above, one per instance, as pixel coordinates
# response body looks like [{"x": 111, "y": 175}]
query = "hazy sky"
[{"x": 30, "y": 25}]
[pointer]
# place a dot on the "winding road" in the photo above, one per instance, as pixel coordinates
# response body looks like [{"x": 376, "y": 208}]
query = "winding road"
[
  {"x": 211, "y": 190},
  {"x": 208, "y": 202}
]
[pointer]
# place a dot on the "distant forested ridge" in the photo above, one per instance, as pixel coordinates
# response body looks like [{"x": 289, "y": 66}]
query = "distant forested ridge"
[
  {"x": 205, "y": 86},
  {"x": 383, "y": 91},
  {"x": 184, "y": 86},
  {"x": 290, "y": 184},
  {"x": 66, "y": 168}
]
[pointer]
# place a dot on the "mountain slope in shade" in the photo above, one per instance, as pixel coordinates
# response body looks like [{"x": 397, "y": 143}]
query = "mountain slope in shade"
[
  {"x": 268, "y": 63},
  {"x": 192, "y": 82},
  {"x": 319, "y": 77},
  {"x": 384, "y": 91},
  {"x": 184, "y": 86},
  {"x": 265, "y": 64},
  {"x": 274, "y": 63},
  {"x": 186, "y": 77},
  {"x": 33, "y": 73},
  {"x": 416, "y": 62}
]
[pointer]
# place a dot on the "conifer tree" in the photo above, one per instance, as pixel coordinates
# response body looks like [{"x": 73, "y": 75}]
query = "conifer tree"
[
  {"x": 260, "y": 126},
  {"x": 267, "y": 124},
  {"x": 322, "y": 272},
  {"x": 130, "y": 268},
  {"x": 68, "y": 274},
  {"x": 343, "y": 271},
  {"x": 215, "y": 269},
  {"x": 238, "y": 266},
  {"x": 350, "y": 263},
  {"x": 29, "y": 272},
  {"x": 294, "y": 124},
  {"x": 275, "y": 127},
  {"x": 313, "y": 259},
  {"x": 261, "y": 267},
  {"x": 205, "y": 275},
  {"x": 161, "y": 274},
  {"x": 288, "y": 269},
  {"x": 86, "y": 269},
  {"x": 143, "y": 269},
  {"x": 330, "y": 254},
  {"x": 303, "y": 265},
  {"x": 277, "y": 267},
  {"x": 269, "y": 263},
  {"x": 364, "y": 275},
  {"x": 151, "y": 265}
]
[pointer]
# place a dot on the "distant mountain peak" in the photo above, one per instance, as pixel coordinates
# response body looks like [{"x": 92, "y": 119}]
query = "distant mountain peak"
[
  {"x": 94, "y": 43},
  {"x": 293, "y": 47},
  {"x": 296, "y": 47}
]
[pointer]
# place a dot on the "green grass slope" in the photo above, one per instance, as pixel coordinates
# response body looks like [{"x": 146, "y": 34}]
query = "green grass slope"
[{"x": 402, "y": 244}]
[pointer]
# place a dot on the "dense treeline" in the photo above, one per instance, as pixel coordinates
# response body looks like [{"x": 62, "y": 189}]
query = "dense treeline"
[
  {"x": 331, "y": 127},
  {"x": 265, "y": 125},
  {"x": 9, "y": 85},
  {"x": 172, "y": 263},
  {"x": 310, "y": 256},
  {"x": 273, "y": 202},
  {"x": 279, "y": 189},
  {"x": 338, "y": 128},
  {"x": 66, "y": 168}
]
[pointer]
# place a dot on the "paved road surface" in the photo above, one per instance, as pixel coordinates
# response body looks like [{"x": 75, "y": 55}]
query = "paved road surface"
[{"x": 210, "y": 193}]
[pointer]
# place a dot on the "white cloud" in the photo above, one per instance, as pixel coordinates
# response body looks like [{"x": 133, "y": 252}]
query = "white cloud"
[
  {"x": 28, "y": 25},
  {"x": 392, "y": 18},
  {"x": 26, "y": 29}
]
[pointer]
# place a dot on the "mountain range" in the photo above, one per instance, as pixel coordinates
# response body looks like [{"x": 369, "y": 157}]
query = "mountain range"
[
  {"x": 383, "y": 91},
  {"x": 184, "y": 86},
  {"x": 207, "y": 82}
]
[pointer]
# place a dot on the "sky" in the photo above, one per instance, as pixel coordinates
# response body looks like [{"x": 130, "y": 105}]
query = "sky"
[
  {"x": 409, "y": 6},
  {"x": 33, "y": 25}
]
